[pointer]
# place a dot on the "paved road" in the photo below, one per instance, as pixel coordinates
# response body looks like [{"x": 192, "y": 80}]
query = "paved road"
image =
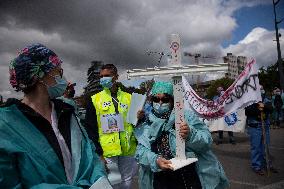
[{"x": 236, "y": 162}]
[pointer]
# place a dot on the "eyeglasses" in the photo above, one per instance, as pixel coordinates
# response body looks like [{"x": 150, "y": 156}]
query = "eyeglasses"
[
  {"x": 101, "y": 76},
  {"x": 163, "y": 99}
]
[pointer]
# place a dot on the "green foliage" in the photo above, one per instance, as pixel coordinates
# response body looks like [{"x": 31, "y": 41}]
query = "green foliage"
[
  {"x": 147, "y": 85},
  {"x": 223, "y": 82},
  {"x": 269, "y": 77}
]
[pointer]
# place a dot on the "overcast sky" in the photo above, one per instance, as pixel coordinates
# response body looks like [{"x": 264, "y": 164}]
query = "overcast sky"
[{"x": 120, "y": 32}]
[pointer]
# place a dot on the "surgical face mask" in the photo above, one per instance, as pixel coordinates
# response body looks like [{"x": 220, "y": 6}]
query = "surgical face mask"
[
  {"x": 262, "y": 91},
  {"x": 58, "y": 89},
  {"x": 161, "y": 108},
  {"x": 106, "y": 82}
]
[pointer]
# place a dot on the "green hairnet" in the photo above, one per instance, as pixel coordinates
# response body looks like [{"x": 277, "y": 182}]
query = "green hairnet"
[{"x": 161, "y": 87}]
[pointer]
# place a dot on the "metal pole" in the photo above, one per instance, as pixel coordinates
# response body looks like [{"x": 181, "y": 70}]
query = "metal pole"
[{"x": 279, "y": 60}]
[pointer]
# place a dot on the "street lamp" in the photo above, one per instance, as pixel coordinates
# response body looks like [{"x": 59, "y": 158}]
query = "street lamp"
[{"x": 279, "y": 60}]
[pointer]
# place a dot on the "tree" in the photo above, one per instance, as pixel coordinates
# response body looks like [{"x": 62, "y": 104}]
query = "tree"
[
  {"x": 147, "y": 85},
  {"x": 222, "y": 82},
  {"x": 269, "y": 77},
  {"x": 93, "y": 78}
]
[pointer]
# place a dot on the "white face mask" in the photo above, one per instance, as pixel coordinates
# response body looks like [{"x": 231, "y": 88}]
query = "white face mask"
[{"x": 161, "y": 108}]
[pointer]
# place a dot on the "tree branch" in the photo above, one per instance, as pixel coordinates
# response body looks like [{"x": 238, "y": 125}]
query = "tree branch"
[
  {"x": 275, "y": 3},
  {"x": 278, "y": 22}
]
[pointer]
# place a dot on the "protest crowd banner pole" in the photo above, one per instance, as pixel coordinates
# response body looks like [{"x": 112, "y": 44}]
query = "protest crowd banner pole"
[{"x": 176, "y": 71}]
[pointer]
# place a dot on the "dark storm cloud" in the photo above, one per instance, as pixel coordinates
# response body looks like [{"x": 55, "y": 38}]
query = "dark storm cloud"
[
  {"x": 118, "y": 32},
  {"x": 91, "y": 22}
]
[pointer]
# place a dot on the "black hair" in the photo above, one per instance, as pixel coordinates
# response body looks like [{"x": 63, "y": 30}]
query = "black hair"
[
  {"x": 166, "y": 95},
  {"x": 110, "y": 67},
  {"x": 29, "y": 89}
]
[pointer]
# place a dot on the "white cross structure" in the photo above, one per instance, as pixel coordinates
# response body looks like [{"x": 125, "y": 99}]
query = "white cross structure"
[{"x": 176, "y": 71}]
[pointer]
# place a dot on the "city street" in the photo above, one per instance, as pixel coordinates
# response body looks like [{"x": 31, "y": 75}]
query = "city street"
[{"x": 236, "y": 162}]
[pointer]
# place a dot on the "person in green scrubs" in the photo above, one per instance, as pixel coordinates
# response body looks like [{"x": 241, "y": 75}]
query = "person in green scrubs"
[{"x": 42, "y": 144}]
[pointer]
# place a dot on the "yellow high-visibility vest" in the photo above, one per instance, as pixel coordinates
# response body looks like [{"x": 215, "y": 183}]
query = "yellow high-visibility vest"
[{"x": 117, "y": 143}]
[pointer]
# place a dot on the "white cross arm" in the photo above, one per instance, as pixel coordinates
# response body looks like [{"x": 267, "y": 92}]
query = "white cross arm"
[{"x": 178, "y": 70}]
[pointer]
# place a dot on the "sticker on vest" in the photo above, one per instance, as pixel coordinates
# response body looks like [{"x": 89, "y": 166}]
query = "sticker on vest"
[
  {"x": 123, "y": 106},
  {"x": 112, "y": 123},
  {"x": 106, "y": 105}
]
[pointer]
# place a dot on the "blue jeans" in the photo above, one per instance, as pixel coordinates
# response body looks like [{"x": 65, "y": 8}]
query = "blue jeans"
[{"x": 257, "y": 146}]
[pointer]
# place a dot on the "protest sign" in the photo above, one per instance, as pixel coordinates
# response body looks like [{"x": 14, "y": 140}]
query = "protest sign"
[
  {"x": 137, "y": 103},
  {"x": 242, "y": 93}
]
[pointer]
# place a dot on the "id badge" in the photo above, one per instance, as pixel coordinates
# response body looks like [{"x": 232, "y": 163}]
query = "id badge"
[{"x": 112, "y": 123}]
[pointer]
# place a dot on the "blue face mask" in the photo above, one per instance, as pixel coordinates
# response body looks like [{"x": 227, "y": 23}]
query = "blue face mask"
[
  {"x": 106, "y": 82},
  {"x": 58, "y": 89},
  {"x": 161, "y": 108}
]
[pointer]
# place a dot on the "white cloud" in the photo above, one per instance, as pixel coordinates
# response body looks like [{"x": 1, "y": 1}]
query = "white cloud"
[
  {"x": 255, "y": 35},
  {"x": 258, "y": 44}
]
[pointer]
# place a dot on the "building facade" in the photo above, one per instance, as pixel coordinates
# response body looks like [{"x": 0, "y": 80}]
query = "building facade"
[
  {"x": 93, "y": 79},
  {"x": 236, "y": 64}
]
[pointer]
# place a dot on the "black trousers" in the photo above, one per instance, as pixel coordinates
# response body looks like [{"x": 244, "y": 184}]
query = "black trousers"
[
  {"x": 230, "y": 133},
  {"x": 184, "y": 178}
]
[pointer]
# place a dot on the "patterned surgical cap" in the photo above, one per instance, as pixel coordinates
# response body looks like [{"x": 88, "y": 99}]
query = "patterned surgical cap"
[{"x": 33, "y": 62}]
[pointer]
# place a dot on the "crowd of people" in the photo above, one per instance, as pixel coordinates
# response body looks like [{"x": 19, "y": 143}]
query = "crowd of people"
[
  {"x": 47, "y": 143},
  {"x": 261, "y": 117}
]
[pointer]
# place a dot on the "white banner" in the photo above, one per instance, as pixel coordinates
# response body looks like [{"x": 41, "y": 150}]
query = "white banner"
[
  {"x": 235, "y": 122},
  {"x": 242, "y": 93}
]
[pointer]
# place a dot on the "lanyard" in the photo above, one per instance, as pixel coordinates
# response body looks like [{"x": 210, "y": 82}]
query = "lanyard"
[
  {"x": 67, "y": 157},
  {"x": 115, "y": 100}
]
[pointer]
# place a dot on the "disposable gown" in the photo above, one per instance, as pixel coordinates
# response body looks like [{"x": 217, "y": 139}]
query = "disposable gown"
[
  {"x": 197, "y": 144},
  {"x": 28, "y": 161}
]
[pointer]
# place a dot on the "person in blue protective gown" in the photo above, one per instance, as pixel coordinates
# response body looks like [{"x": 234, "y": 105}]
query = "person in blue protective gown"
[
  {"x": 43, "y": 145},
  {"x": 156, "y": 146}
]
